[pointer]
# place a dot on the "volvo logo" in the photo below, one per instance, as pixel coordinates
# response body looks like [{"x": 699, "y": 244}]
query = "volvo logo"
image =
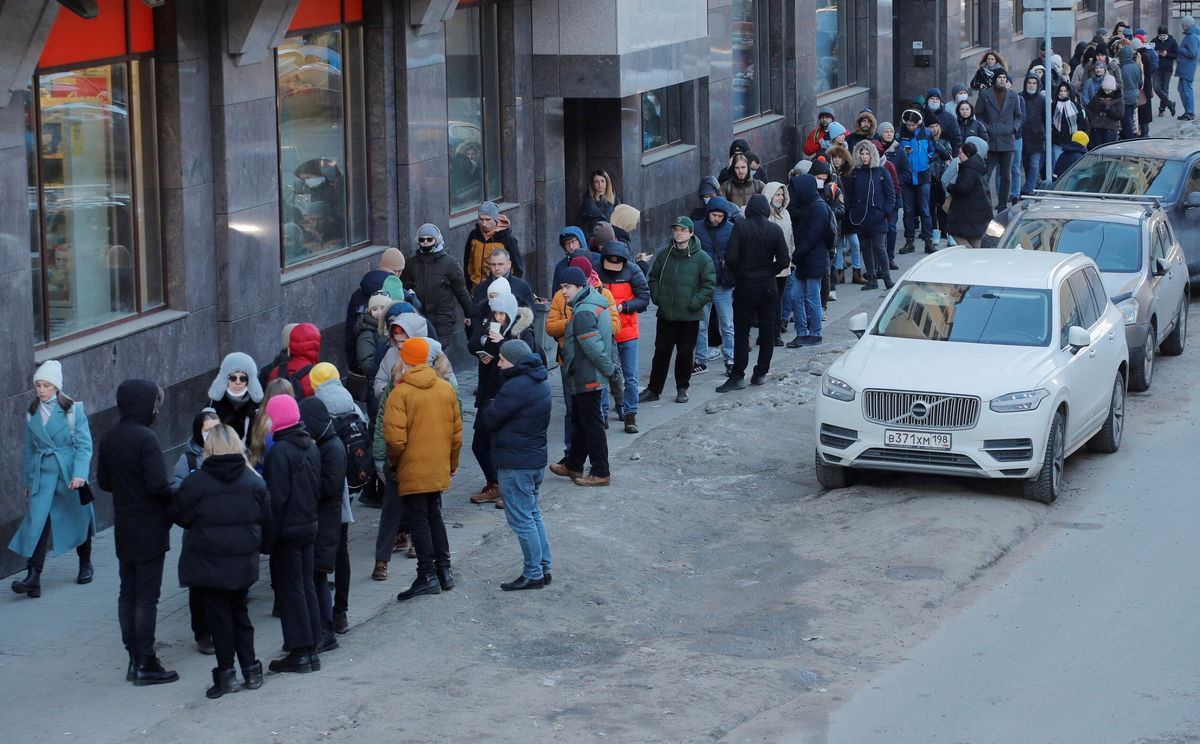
[{"x": 919, "y": 410}]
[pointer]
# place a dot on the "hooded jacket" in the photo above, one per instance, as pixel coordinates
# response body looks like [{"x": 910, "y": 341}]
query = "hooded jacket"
[
  {"x": 1003, "y": 120},
  {"x": 332, "y": 481},
  {"x": 708, "y": 185},
  {"x": 1188, "y": 53},
  {"x": 1131, "y": 75},
  {"x": 233, "y": 412},
  {"x": 861, "y": 132},
  {"x": 565, "y": 261},
  {"x": 682, "y": 282},
  {"x": 715, "y": 239},
  {"x": 223, "y": 506},
  {"x": 870, "y": 197},
  {"x": 437, "y": 278},
  {"x": 519, "y": 416},
  {"x": 944, "y": 116},
  {"x": 304, "y": 348},
  {"x": 1071, "y": 153},
  {"x": 1105, "y": 110},
  {"x": 478, "y": 248},
  {"x": 370, "y": 283},
  {"x": 970, "y": 126},
  {"x": 920, "y": 152},
  {"x": 292, "y": 470},
  {"x": 587, "y": 344},
  {"x": 970, "y": 208},
  {"x": 520, "y": 326},
  {"x": 628, "y": 287},
  {"x": 479, "y": 298},
  {"x": 423, "y": 430},
  {"x": 780, "y": 215},
  {"x": 132, "y": 469},
  {"x": 812, "y": 229},
  {"x": 1035, "y": 112},
  {"x": 757, "y": 249}
]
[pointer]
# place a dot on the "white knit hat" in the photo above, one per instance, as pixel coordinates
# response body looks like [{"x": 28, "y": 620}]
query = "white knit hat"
[{"x": 51, "y": 372}]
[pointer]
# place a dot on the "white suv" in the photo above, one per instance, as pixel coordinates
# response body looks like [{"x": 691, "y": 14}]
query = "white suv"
[{"x": 989, "y": 363}]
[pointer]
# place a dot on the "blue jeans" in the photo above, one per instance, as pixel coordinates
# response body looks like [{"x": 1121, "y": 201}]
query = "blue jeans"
[
  {"x": 891, "y": 238},
  {"x": 1127, "y": 121},
  {"x": 847, "y": 241},
  {"x": 1185, "y": 96},
  {"x": 792, "y": 303},
  {"x": 1033, "y": 168},
  {"x": 1018, "y": 172},
  {"x": 628, "y": 353},
  {"x": 810, "y": 299},
  {"x": 519, "y": 489},
  {"x": 723, "y": 299},
  {"x": 1105, "y": 136},
  {"x": 916, "y": 204}
]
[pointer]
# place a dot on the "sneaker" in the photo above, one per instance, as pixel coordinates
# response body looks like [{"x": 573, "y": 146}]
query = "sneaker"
[
  {"x": 733, "y": 383},
  {"x": 490, "y": 492},
  {"x": 593, "y": 480},
  {"x": 728, "y": 370},
  {"x": 631, "y": 423},
  {"x": 812, "y": 340},
  {"x": 714, "y": 353},
  {"x": 796, "y": 342},
  {"x": 833, "y": 295},
  {"x": 824, "y": 316},
  {"x": 908, "y": 247},
  {"x": 647, "y": 396},
  {"x": 699, "y": 369}
]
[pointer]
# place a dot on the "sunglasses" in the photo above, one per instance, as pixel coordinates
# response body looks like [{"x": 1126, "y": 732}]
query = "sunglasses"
[
  {"x": 426, "y": 240},
  {"x": 239, "y": 378}
]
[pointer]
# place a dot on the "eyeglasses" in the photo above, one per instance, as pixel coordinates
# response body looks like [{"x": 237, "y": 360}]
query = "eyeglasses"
[
  {"x": 426, "y": 240},
  {"x": 239, "y": 378}
]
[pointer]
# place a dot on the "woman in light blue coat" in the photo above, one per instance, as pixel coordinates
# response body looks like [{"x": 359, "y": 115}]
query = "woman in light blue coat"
[{"x": 57, "y": 457}]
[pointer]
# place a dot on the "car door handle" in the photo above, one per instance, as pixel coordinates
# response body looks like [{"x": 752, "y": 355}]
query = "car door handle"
[
  {"x": 1092, "y": 353},
  {"x": 1112, "y": 336}
]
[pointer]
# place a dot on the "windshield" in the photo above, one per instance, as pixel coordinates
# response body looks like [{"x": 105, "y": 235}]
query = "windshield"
[
  {"x": 968, "y": 314},
  {"x": 1114, "y": 247},
  {"x": 1122, "y": 174}
]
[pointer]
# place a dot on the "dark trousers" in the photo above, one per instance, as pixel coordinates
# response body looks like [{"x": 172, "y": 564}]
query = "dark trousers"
[
  {"x": 341, "y": 573},
  {"x": 678, "y": 336},
  {"x": 200, "y": 627},
  {"x": 38, "y": 559},
  {"x": 780, "y": 286},
  {"x": 916, "y": 210},
  {"x": 137, "y": 604},
  {"x": 481, "y": 446},
  {"x": 874, "y": 253},
  {"x": 1127, "y": 121},
  {"x": 428, "y": 531},
  {"x": 391, "y": 520},
  {"x": 1162, "y": 86},
  {"x": 324, "y": 600},
  {"x": 1004, "y": 161},
  {"x": 754, "y": 301},
  {"x": 291, "y": 575},
  {"x": 587, "y": 430},
  {"x": 232, "y": 634}
]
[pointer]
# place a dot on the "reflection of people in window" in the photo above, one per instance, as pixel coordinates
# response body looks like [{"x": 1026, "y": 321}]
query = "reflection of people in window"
[
  {"x": 320, "y": 180},
  {"x": 293, "y": 239},
  {"x": 322, "y": 229},
  {"x": 466, "y": 173},
  {"x": 120, "y": 279},
  {"x": 651, "y": 121}
]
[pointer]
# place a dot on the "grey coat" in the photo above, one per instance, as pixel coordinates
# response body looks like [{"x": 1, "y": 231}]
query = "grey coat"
[{"x": 1004, "y": 123}]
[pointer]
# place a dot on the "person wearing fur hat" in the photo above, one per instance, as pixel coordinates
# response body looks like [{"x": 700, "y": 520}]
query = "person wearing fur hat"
[
  {"x": 1106, "y": 111},
  {"x": 236, "y": 392},
  {"x": 1003, "y": 112},
  {"x": 812, "y": 141},
  {"x": 437, "y": 278},
  {"x": 516, "y": 423},
  {"x": 422, "y": 427},
  {"x": 57, "y": 457},
  {"x": 865, "y": 125},
  {"x": 492, "y": 230}
]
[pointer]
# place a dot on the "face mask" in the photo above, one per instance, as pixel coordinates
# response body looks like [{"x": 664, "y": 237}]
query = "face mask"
[
  {"x": 935, "y": 105},
  {"x": 961, "y": 97},
  {"x": 820, "y": 184},
  {"x": 706, "y": 198},
  {"x": 1063, "y": 96},
  {"x": 204, "y": 436},
  {"x": 315, "y": 181}
]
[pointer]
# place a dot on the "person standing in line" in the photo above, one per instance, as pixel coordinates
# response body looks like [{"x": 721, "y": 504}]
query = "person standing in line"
[
  {"x": 304, "y": 352},
  {"x": 332, "y": 451},
  {"x": 235, "y": 393},
  {"x": 813, "y": 236},
  {"x": 57, "y": 456},
  {"x": 438, "y": 280},
  {"x": 1131, "y": 82},
  {"x": 1003, "y": 113},
  {"x": 757, "y": 253},
  {"x": 292, "y": 470},
  {"x": 1149, "y": 67},
  {"x": 517, "y": 422},
  {"x": 1068, "y": 119},
  {"x": 742, "y": 185},
  {"x": 713, "y": 235},
  {"x": 587, "y": 366},
  {"x": 870, "y": 198},
  {"x": 492, "y": 232},
  {"x": 969, "y": 212},
  {"x": 777, "y": 196},
  {"x": 189, "y": 462},
  {"x": 223, "y": 507},
  {"x": 131, "y": 468},
  {"x": 1185, "y": 66},
  {"x": 1033, "y": 134},
  {"x": 630, "y": 296},
  {"x": 1166, "y": 49},
  {"x": 422, "y": 427},
  {"x": 1106, "y": 111},
  {"x": 682, "y": 280},
  {"x": 918, "y": 145},
  {"x": 597, "y": 203}
]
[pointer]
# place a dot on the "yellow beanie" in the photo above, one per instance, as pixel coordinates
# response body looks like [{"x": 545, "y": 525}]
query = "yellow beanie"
[
  {"x": 322, "y": 373},
  {"x": 1081, "y": 138}
]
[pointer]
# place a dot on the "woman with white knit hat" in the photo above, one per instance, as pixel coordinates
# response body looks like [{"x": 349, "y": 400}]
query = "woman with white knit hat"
[{"x": 57, "y": 457}]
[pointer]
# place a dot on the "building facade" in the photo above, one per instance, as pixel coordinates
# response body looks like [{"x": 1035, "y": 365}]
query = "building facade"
[{"x": 201, "y": 172}]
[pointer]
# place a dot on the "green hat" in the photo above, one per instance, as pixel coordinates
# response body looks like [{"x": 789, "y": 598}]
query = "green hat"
[{"x": 684, "y": 222}]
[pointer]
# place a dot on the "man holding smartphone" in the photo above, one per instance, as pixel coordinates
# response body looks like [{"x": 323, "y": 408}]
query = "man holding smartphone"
[{"x": 917, "y": 141}]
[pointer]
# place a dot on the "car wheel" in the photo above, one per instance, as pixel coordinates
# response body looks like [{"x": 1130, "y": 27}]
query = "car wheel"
[
  {"x": 1142, "y": 373},
  {"x": 831, "y": 476},
  {"x": 1048, "y": 483},
  {"x": 1108, "y": 439},
  {"x": 1173, "y": 345}
]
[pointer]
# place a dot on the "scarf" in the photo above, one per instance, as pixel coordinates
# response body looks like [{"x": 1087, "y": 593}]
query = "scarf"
[
  {"x": 1068, "y": 112},
  {"x": 46, "y": 408}
]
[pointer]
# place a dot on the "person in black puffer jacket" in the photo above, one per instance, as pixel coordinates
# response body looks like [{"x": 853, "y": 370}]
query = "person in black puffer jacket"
[
  {"x": 870, "y": 199},
  {"x": 813, "y": 236},
  {"x": 970, "y": 211},
  {"x": 319, "y": 423},
  {"x": 437, "y": 278},
  {"x": 292, "y": 469},
  {"x": 223, "y": 506}
]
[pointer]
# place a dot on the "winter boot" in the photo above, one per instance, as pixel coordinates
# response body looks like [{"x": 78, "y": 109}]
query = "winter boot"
[
  {"x": 841, "y": 276},
  {"x": 149, "y": 671},
  {"x": 252, "y": 675},
  {"x": 224, "y": 680},
  {"x": 908, "y": 246},
  {"x": 423, "y": 585},
  {"x": 298, "y": 660},
  {"x": 445, "y": 578},
  {"x": 31, "y": 584},
  {"x": 858, "y": 277},
  {"x": 129, "y": 672},
  {"x": 631, "y": 423},
  {"x": 86, "y": 573},
  {"x": 870, "y": 285}
]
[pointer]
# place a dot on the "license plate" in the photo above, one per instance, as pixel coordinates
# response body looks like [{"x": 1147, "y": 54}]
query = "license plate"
[{"x": 916, "y": 439}]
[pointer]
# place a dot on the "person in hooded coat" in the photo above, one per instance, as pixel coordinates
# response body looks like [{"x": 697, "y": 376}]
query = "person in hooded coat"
[
  {"x": 812, "y": 231},
  {"x": 292, "y": 470},
  {"x": 573, "y": 243},
  {"x": 236, "y": 392},
  {"x": 713, "y": 234},
  {"x": 1033, "y": 134},
  {"x": 630, "y": 296},
  {"x": 131, "y": 468},
  {"x": 1071, "y": 153},
  {"x": 865, "y": 125},
  {"x": 304, "y": 350},
  {"x": 437, "y": 278},
  {"x": 870, "y": 199},
  {"x": 400, "y": 326},
  {"x": 707, "y": 190},
  {"x": 936, "y": 109},
  {"x": 739, "y": 147},
  {"x": 969, "y": 212},
  {"x": 1106, "y": 111},
  {"x": 777, "y": 196},
  {"x": 1131, "y": 81},
  {"x": 319, "y": 423},
  {"x": 223, "y": 507},
  {"x": 757, "y": 253}
]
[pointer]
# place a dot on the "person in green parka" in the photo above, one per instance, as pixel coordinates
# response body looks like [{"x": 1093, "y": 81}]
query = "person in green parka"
[
  {"x": 682, "y": 281},
  {"x": 57, "y": 457}
]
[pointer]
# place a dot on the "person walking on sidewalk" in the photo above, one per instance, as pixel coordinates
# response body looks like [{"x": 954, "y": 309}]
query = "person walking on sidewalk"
[
  {"x": 131, "y": 468},
  {"x": 57, "y": 458},
  {"x": 587, "y": 367},
  {"x": 223, "y": 507},
  {"x": 757, "y": 252},
  {"x": 517, "y": 422},
  {"x": 1166, "y": 49},
  {"x": 422, "y": 427},
  {"x": 682, "y": 280}
]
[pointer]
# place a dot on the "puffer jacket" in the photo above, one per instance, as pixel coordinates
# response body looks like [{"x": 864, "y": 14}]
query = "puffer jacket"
[
  {"x": 870, "y": 198},
  {"x": 292, "y": 470},
  {"x": 682, "y": 281},
  {"x": 970, "y": 210},
  {"x": 628, "y": 287},
  {"x": 812, "y": 228},
  {"x": 422, "y": 427},
  {"x": 757, "y": 249},
  {"x": 860, "y": 132},
  {"x": 304, "y": 349},
  {"x": 519, "y": 416},
  {"x": 587, "y": 348},
  {"x": 1105, "y": 110},
  {"x": 333, "y": 481},
  {"x": 370, "y": 283},
  {"x": 714, "y": 240},
  {"x": 521, "y": 328},
  {"x": 565, "y": 261},
  {"x": 478, "y": 248}
]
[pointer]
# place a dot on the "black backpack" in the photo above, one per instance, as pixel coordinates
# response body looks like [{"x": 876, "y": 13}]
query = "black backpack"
[
  {"x": 360, "y": 464},
  {"x": 296, "y": 379}
]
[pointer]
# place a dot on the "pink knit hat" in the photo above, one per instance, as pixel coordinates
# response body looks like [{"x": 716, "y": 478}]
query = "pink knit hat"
[{"x": 283, "y": 412}]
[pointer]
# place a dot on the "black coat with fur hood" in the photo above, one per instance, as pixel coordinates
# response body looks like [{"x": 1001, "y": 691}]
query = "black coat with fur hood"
[{"x": 520, "y": 326}]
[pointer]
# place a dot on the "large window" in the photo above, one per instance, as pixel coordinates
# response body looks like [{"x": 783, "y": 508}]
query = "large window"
[
  {"x": 662, "y": 112},
  {"x": 322, "y": 143},
  {"x": 751, "y": 58},
  {"x": 970, "y": 23},
  {"x": 473, "y": 105},
  {"x": 836, "y": 36},
  {"x": 1018, "y": 18}
]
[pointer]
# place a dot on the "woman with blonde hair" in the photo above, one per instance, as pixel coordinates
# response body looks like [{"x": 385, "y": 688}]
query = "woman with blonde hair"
[
  {"x": 598, "y": 201},
  {"x": 260, "y": 432}
]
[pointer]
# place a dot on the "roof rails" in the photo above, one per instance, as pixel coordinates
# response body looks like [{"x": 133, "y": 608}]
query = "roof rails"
[{"x": 1148, "y": 202}]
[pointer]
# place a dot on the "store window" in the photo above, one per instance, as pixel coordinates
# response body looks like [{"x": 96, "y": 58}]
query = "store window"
[
  {"x": 662, "y": 114},
  {"x": 322, "y": 136},
  {"x": 751, "y": 58},
  {"x": 97, "y": 252},
  {"x": 473, "y": 105},
  {"x": 1018, "y": 16},
  {"x": 970, "y": 23},
  {"x": 837, "y": 34}
]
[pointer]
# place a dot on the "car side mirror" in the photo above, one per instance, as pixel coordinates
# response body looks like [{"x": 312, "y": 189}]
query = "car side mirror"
[
  {"x": 1193, "y": 200},
  {"x": 858, "y": 324},
  {"x": 1161, "y": 266},
  {"x": 1078, "y": 338}
]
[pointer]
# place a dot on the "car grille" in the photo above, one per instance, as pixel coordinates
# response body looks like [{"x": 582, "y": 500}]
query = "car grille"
[
  {"x": 920, "y": 410},
  {"x": 917, "y": 457}
]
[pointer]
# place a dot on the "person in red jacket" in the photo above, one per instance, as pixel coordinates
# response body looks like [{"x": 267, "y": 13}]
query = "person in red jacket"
[
  {"x": 304, "y": 347},
  {"x": 630, "y": 291},
  {"x": 818, "y": 138}
]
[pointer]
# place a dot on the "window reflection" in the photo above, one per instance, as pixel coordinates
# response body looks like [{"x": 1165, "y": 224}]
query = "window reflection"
[
  {"x": 751, "y": 70},
  {"x": 473, "y": 93},
  {"x": 661, "y": 113},
  {"x": 834, "y": 29}
]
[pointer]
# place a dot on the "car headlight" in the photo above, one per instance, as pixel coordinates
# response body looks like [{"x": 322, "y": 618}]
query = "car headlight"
[
  {"x": 834, "y": 388},
  {"x": 1026, "y": 400},
  {"x": 995, "y": 229},
  {"x": 1129, "y": 310}
]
